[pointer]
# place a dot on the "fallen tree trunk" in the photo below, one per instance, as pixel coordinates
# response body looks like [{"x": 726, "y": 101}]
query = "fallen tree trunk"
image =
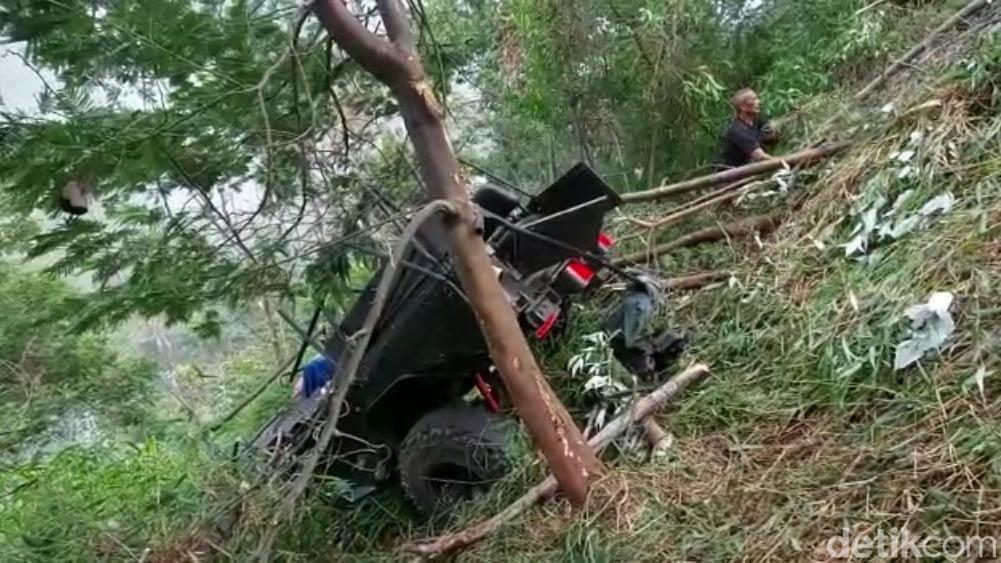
[
  {"x": 746, "y": 226},
  {"x": 802, "y": 157},
  {"x": 910, "y": 55},
  {"x": 395, "y": 61},
  {"x": 448, "y": 544},
  {"x": 695, "y": 281}
]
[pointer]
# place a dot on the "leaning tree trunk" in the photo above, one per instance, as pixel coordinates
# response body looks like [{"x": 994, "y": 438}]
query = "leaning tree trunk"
[{"x": 397, "y": 64}]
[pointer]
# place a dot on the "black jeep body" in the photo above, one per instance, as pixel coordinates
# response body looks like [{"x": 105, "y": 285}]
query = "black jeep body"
[{"x": 408, "y": 405}]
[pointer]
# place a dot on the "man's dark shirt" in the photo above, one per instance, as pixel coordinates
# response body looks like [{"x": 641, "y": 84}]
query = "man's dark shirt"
[{"x": 739, "y": 141}]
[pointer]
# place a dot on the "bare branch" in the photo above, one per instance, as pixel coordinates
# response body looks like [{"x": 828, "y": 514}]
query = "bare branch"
[
  {"x": 397, "y": 25},
  {"x": 373, "y": 53},
  {"x": 331, "y": 72}
]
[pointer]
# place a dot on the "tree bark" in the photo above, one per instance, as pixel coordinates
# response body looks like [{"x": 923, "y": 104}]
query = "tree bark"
[
  {"x": 802, "y": 157},
  {"x": 397, "y": 65},
  {"x": 756, "y": 224}
]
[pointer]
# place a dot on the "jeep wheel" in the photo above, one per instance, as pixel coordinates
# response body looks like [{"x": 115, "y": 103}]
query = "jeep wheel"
[{"x": 452, "y": 454}]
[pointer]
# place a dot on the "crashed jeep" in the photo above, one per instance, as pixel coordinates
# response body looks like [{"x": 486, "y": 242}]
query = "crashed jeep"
[{"x": 426, "y": 404}]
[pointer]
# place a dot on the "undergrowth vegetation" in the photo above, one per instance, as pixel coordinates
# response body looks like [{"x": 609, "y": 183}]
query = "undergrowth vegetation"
[{"x": 805, "y": 428}]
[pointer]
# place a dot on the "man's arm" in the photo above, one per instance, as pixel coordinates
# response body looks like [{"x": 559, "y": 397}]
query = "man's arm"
[
  {"x": 758, "y": 154},
  {"x": 769, "y": 135}
]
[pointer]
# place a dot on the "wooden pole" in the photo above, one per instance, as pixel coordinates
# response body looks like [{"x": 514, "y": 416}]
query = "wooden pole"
[
  {"x": 756, "y": 224},
  {"x": 397, "y": 64},
  {"x": 695, "y": 281},
  {"x": 802, "y": 157}
]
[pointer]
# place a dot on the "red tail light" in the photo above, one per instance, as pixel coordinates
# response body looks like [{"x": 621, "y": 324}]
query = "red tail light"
[
  {"x": 580, "y": 272},
  {"x": 488, "y": 394},
  {"x": 605, "y": 242},
  {"x": 547, "y": 325}
]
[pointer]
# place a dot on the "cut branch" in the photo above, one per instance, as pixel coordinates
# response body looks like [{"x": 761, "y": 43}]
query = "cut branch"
[
  {"x": 451, "y": 543},
  {"x": 716, "y": 193},
  {"x": 728, "y": 193},
  {"x": 805, "y": 156},
  {"x": 743, "y": 227},
  {"x": 658, "y": 439},
  {"x": 695, "y": 281}
]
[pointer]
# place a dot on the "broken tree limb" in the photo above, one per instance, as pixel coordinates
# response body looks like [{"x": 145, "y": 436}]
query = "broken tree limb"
[
  {"x": 910, "y": 55},
  {"x": 805, "y": 156},
  {"x": 757, "y": 224},
  {"x": 695, "y": 281},
  {"x": 444, "y": 545},
  {"x": 396, "y": 62},
  {"x": 655, "y": 436}
]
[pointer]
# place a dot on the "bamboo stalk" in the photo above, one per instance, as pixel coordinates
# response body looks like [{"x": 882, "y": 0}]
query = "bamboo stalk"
[
  {"x": 746, "y": 226},
  {"x": 805, "y": 156}
]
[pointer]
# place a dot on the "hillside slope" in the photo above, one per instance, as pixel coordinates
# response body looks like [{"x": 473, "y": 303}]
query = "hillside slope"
[{"x": 807, "y": 429}]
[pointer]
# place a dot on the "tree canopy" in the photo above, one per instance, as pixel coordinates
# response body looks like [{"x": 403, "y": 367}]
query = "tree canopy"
[{"x": 231, "y": 148}]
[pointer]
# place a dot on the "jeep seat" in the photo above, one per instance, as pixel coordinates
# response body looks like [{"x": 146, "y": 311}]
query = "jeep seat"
[{"x": 496, "y": 200}]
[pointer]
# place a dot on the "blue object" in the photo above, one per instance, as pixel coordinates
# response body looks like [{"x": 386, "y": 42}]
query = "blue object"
[{"x": 315, "y": 374}]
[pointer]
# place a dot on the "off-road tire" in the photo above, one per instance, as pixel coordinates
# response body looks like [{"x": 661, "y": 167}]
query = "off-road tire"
[{"x": 451, "y": 454}]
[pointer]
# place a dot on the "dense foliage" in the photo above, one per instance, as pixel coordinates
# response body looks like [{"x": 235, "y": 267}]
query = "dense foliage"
[
  {"x": 49, "y": 371},
  {"x": 211, "y": 132},
  {"x": 641, "y": 89}
]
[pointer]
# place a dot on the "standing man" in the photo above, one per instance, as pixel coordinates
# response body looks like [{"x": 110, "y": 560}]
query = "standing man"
[{"x": 747, "y": 134}]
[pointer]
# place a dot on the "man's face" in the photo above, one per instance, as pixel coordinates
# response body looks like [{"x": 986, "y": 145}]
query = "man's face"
[{"x": 750, "y": 104}]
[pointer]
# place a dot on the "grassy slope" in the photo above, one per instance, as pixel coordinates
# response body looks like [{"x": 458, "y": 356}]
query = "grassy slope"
[{"x": 806, "y": 427}]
